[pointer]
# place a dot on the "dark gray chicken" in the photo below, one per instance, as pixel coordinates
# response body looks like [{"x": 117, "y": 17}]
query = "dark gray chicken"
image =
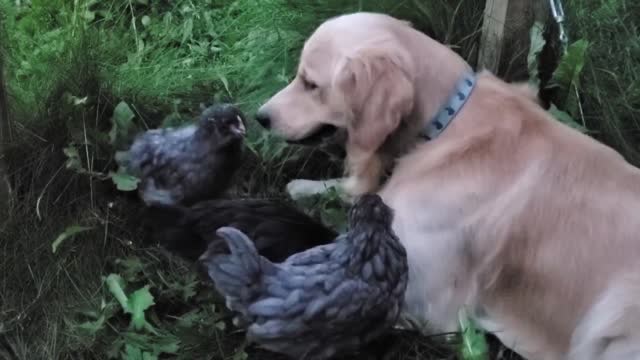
[
  {"x": 277, "y": 229},
  {"x": 330, "y": 299},
  {"x": 191, "y": 163}
]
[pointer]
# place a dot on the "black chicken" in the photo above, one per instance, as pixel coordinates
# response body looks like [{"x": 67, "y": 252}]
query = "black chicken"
[
  {"x": 191, "y": 163},
  {"x": 278, "y": 230},
  {"x": 329, "y": 299}
]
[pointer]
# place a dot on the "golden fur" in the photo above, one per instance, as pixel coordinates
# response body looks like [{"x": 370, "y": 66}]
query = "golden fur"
[{"x": 528, "y": 223}]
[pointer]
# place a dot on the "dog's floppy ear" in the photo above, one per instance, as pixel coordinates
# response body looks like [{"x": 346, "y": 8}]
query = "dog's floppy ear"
[{"x": 378, "y": 91}]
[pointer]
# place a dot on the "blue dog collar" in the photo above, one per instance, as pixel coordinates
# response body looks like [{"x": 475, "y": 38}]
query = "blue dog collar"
[{"x": 462, "y": 91}]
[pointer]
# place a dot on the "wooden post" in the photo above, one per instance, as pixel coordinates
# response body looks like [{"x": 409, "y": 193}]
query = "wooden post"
[
  {"x": 504, "y": 43},
  {"x": 495, "y": 18}
]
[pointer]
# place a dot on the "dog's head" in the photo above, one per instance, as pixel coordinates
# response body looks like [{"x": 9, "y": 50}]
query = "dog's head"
[{"x": 353, "y": 74}]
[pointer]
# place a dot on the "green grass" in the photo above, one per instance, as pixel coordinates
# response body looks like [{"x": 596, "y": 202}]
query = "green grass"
[
  {"x": 70, "y": 63},
  {"x": 611, "y": 82}
]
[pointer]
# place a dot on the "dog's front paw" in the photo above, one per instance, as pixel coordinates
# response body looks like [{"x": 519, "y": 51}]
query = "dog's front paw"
[
  {"x": 355, "y": 186},
  {"x": 301, "y": 188}
]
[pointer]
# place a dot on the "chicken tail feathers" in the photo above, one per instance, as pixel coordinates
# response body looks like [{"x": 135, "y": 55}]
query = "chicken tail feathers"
[{"x": 237, "y": 273}]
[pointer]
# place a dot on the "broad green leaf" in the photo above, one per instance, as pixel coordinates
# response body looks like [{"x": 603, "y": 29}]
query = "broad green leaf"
[
  {"x": 154, "y": 345},
  {"x": 169, "y": 348},
  {"x": 567, "y": 75},
  {"x": 69, "y": 232},
  {"x": 166, "y": 345},
  {"x": 122, "y": 114},
  {"x": 88, "y": 15},
  {"x": 131, "y": 268},
  {"x": 537, "y": 43},
  {"x": 189, "y": 290},
  {"x": 121, "y": 123},
  {"x": 474, "y": 344},
  {"x": 73, "y": 158},
  {"x": 140, "y": 45},
  {"x": 139, "y": 301},
  {"x": 225, "y": 82},
  {"x": 92, "y": 327},
  {"x": 565, "y": 118},
  {"x": 186, "y": 289},
  {"x": 122, "y": 156},
  {"x": 149, "y": 356},
  {"x": 174, "y": 119},
  {"x": 114, "y": 350},
  {"x": 240, "y": 355},
  {"x": 116, "y": 284},
  {"x": 89, "y": 313},
  {"x": 187, "y": 31},
  {"x": 146, "y": 20},
  {"x": 124, "y": 182},
  {"x": 189, "y": 319},
  {"x": 135, "y": 304},
  {"x": 105, "y": 14},
  {"x": 132, "y": 352}
]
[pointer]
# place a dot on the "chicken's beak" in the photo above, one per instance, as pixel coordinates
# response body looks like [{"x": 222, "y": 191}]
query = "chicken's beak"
[{"x": 240, "y": 128}]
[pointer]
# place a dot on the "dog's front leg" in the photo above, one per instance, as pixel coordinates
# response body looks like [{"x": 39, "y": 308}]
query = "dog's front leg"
[
  {"x": 363, "y": 171},
  {"x": 301, "y": 188}
]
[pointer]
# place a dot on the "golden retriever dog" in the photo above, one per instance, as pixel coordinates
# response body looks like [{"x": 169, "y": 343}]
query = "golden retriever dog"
[{"x": 531, "y": 226}]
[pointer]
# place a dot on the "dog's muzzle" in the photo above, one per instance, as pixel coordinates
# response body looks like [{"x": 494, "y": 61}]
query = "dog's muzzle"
[{"x": 316, "y": 136}]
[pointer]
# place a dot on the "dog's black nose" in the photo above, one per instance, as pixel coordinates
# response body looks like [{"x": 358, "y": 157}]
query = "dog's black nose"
[{"x": 263, "y": 118}]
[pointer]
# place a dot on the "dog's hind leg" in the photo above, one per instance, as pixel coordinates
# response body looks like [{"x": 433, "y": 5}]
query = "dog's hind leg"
[{"x": 611, "y": 328}]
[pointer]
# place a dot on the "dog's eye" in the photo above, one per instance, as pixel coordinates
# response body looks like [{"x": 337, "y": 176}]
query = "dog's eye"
[{"x": 309, "y": 85}]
